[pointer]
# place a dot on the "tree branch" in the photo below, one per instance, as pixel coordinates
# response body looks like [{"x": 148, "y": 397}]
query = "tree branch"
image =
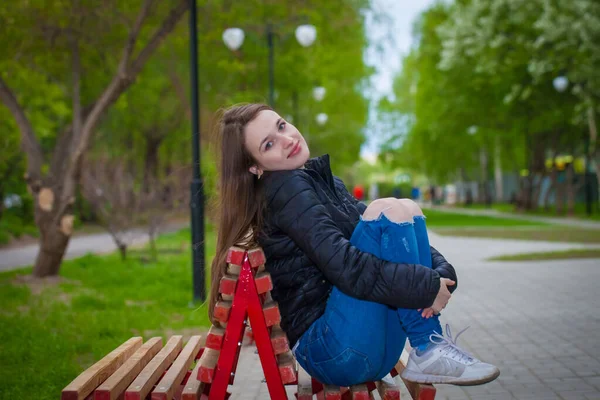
[
  {"x": 132, "y": 39},
  {"x": 121, "y": 81},
  {"x": 76, "y": 95},
  {"x": 29, "y": 143},
  {"x": 123, "y": 77},
  {"x": 156, "y": 39}
]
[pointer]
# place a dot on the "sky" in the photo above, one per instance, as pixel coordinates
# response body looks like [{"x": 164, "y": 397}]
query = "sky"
[{"x": 402, "y": 14}]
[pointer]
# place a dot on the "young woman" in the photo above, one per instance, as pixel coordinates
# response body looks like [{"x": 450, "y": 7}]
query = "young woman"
[{"x": 352, "y": 282}]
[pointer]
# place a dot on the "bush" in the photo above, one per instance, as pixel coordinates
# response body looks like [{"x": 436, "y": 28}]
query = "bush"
[{"x": 12, "y": 225}]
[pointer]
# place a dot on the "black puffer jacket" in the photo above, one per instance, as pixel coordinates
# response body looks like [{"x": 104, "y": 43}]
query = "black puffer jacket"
[{"x": 309, "y": 219}]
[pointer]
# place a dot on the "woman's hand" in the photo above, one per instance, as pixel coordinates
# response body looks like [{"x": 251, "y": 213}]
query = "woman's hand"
[{"x": 441, "y": 300}]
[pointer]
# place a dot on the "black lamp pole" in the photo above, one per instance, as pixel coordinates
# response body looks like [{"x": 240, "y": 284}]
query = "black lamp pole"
[
  {"x": 197, "y": 194},
  {"x": 586, "y": 179}
]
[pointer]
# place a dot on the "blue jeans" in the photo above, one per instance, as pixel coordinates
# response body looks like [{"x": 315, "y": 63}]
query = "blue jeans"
[{"x": 356, "y": 341}]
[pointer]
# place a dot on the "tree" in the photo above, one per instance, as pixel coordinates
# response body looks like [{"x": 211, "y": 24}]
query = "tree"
[
  {"x": 487, "y": 68},
  {"x": 66, "y": 41},
  {"x": 513, "y": 42}
]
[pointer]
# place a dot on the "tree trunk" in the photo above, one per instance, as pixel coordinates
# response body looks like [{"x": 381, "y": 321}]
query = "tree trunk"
[
  {"x": 571, "y": 190},
  {"x": 53, "y": 192},
  {"x": 482, "y": 194},
  {"x": 123, "y": 250},
  {"x": 151, "y": 163},
  {"x": 553, "y": 184},
  {"x": 1, "y": 201},
  {"x": 560, "y": 198},
  {"x": 53, "y": 244},
  {"x": 498, "y": 172},
  {"x": 593, "y": 141}
]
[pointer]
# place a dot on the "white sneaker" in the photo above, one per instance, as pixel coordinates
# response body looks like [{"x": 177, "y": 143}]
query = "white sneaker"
[{"x": 445, "y": 362}]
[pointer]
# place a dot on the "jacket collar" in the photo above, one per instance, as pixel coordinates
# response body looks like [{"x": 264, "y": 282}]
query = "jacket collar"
[
  {"x": 315, "y": 167},
  {"x": 321, "y": 166}
]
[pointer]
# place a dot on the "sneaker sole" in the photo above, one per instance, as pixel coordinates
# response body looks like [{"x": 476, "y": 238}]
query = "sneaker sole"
[{"x": 449, "y": 380}]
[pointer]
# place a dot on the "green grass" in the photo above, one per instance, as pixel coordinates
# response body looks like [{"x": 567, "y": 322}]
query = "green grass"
[
  {"x": 437, "y": 218},
  {"x": 462, "y": 225},
  {"x": 580, "y": 210},
  {"x": 549, "y": 233},
  {"x": 551, "y": 255},
  {"x": 50, "y": 332}
]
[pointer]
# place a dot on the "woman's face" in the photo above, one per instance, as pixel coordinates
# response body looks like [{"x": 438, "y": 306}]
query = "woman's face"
[{"x": 275, "y": 144}]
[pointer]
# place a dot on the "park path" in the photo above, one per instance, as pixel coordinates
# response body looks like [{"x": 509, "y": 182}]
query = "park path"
[
  {"x": 98, "y": 243},
  {"x": 537, "y": 321},
  {"x": 574, "y": 222}
]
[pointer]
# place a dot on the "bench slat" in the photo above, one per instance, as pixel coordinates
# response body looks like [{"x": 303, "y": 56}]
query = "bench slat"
[
  {"x": 233, "y": 270},
  {"x": 92, "y": 377},
  {"x": 114, "y": 386},
  {"x": 271, "y": 312},
  {"x": 287, "y": 367},
  {"x": 208, "y": 363},
  {"x": 256, "y": 257},
  {"x": 263, "y": 282},
  {"x": 227, "y": 285},
  {"x": 235, "y": 255},
  {"x": 279, "y": 340},
  {"x": 194, "y": 388},
  {"x": 141, "y": 386},
  {"x": 332, "y": 392},
  {"x": 214, "y": 339},
  {"x": 305, "y": 391},
  {"x": 222, "y": 310},
  {"x": 165, "y": 389},
  {"x": 388, "y": 391},
  {"x": 418, "y": 391},
  {"x": 360, "y": 392}
]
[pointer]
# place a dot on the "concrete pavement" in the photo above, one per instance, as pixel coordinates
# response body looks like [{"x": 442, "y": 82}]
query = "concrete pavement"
[
  {"x": 78, "y": 246},
  {"x": 538, "y": 321}
]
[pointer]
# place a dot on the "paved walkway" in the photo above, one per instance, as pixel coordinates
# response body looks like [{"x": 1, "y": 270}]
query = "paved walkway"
[
  {"x": 576, "y": 222},
  {"x": 538, "y": 321},
  {"x": 78, "y": 246}
]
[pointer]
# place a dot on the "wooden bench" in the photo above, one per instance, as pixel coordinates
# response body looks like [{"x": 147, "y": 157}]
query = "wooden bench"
[{"x": 137, "y": 370}]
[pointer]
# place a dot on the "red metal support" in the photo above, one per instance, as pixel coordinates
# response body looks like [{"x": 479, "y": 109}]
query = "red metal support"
[{"x": 246, "y": 304}]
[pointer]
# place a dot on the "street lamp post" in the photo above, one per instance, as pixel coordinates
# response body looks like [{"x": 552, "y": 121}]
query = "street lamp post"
[
  {"x": 305, "y": 35},
  {"x": 561, "y": 83},
  {"x": 197, "y": 193}
]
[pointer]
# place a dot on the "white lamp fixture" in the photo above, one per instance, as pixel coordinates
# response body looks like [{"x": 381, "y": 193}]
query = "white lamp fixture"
[
  {"x": 233, "y": 38},
  {"x": 322, "y": 119},
  {"x": 306, "y": 35},
  {"x": 560, "y": 83},
  {"x": 319, "y": 93}
]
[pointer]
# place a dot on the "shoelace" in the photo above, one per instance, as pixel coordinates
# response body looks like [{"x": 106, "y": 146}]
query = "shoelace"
[{"x": 450, "y": 343}]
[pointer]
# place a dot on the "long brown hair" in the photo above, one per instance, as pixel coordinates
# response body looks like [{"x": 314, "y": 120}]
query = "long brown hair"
[{"x": 240, "y": 201}]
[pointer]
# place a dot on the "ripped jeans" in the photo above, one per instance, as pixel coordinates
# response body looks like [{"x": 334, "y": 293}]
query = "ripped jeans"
[{"x": 356, "y": 341}]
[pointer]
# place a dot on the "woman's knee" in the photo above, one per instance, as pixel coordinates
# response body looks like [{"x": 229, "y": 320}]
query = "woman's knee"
[
  {"x": 414, "y": 208},
  {"x": 393, "y": 209}
]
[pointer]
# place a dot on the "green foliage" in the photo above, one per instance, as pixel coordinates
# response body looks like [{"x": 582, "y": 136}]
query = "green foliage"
[
  {"x": 36, "y": 63},
  {"x": 490, "y": 65},
  {"x": 14, "y": 225},
  {"x": 67, "y": 326}
]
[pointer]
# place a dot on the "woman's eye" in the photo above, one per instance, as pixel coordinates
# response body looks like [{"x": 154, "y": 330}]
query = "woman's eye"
[
  {"x": 281, "y": 126},
  {"x": 268, "y": 145}
]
